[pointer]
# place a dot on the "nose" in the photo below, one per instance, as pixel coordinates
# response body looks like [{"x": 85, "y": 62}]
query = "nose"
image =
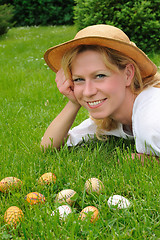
[{"x": 89, "y": 88}]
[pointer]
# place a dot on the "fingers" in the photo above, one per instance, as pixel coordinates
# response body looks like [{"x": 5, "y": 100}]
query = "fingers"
[
  {"x": 62, "y": 82},
  {"x": 65, "y": 86},
  {"x": 60, "y": 77}
]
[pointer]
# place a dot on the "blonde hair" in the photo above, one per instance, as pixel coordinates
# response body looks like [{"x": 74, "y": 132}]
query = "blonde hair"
[{"x": 115, "y": 61}]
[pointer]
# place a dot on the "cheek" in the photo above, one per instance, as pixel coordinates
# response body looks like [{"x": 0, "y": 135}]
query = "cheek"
[{"x": 116, "y": 86}]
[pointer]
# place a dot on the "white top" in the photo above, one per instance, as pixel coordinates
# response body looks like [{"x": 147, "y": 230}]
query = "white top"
[{"x": 145, "y": 124}]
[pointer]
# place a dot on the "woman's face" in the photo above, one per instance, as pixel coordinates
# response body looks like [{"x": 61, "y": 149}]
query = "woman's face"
[{"x": 101, "y": 91}]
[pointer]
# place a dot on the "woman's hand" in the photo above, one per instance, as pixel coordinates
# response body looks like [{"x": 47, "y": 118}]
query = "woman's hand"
[
  {"x": 65, "y": 86},
  {"x": 142, "y": 157}
]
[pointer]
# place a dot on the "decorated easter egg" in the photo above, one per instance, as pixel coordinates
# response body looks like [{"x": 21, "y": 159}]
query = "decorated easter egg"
[
  {"x": 119, "y": 202},
  {"x": 35, "y": 198},
  {"x": 63, "y": 210},
  {"x": 94, "y": 185},
  {"x": 13, "y": 216},
  {"x": 65, "y": 196},
  {"x": 10, "y": 183},
  {"x": 93, "y": 211},
  {"x": 47, "y": 178}
]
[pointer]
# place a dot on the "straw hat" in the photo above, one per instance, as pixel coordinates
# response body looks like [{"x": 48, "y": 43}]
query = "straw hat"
[{"x": 103, "y": 35}]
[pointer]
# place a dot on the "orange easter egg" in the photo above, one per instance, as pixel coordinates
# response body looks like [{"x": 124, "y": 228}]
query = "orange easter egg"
[
  {"x": 94, "y": 213},
  {"x": 10, "y": 183},
  {"x": 35, "y": 198},
  {"x": 13, "y": 216}
]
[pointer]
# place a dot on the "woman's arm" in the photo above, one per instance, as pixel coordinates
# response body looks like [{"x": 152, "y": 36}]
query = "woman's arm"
[{"x": 57, "y": 131}]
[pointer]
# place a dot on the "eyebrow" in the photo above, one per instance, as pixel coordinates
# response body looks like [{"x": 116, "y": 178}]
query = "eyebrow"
[
  {"x": 77, "y": 76},
  {"x": 94, "y": 73}
]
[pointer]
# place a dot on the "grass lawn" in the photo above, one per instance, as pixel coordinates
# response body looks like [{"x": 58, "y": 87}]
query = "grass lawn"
[{"x": 29, "y": 101}]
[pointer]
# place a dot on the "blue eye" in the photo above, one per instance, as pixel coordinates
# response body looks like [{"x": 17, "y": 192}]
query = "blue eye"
[
  {"x": 100, "y": 75},
  {"x": 78, "y": 79}
]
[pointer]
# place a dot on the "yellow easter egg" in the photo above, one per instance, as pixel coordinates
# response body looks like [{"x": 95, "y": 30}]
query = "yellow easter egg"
[
  {"x": 47, "y": 178},
  {"x": 13, "y": 216},
  {"x": 94, "y": 185},
  {"x": 65, "y": 196},
  {"x": 10, "y": 183},
  {"x": 35, "y": 198}
]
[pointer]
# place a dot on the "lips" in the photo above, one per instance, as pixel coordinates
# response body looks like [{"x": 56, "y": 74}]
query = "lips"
[{"x": 97, "y": 103}]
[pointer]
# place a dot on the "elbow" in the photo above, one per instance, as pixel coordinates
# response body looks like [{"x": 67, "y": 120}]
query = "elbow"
[
  {"x": 45, "y": 144},
  {"x": 48, "y": 144}
]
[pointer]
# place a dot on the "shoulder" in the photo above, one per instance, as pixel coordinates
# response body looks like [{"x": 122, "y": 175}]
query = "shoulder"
[
  {"x": 146, "y": 121},
  {"x": 149, "y": 94},
  {"x": 147, "y": 102},
  {"x": 146, "y": 111}
]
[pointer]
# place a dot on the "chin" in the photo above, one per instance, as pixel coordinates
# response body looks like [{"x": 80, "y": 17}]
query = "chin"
[{"x": 98, "y": 116}]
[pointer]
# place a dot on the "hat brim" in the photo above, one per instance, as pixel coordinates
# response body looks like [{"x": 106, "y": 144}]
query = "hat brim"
[{"x": 53, "y": 56}]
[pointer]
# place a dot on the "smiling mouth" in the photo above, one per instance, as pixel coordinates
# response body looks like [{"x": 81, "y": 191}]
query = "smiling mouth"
[{"x": 95, "y": 103}]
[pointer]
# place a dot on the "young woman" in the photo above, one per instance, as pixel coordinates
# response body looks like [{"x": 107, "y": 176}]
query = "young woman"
[{"x": 103, "y": 71}]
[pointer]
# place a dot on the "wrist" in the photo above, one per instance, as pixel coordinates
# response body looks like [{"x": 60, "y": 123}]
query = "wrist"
[{"x": 74, "y": 105}]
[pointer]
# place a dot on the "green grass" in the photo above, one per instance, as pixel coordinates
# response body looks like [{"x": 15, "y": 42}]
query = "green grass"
[{"x": 29, "y": 101}]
